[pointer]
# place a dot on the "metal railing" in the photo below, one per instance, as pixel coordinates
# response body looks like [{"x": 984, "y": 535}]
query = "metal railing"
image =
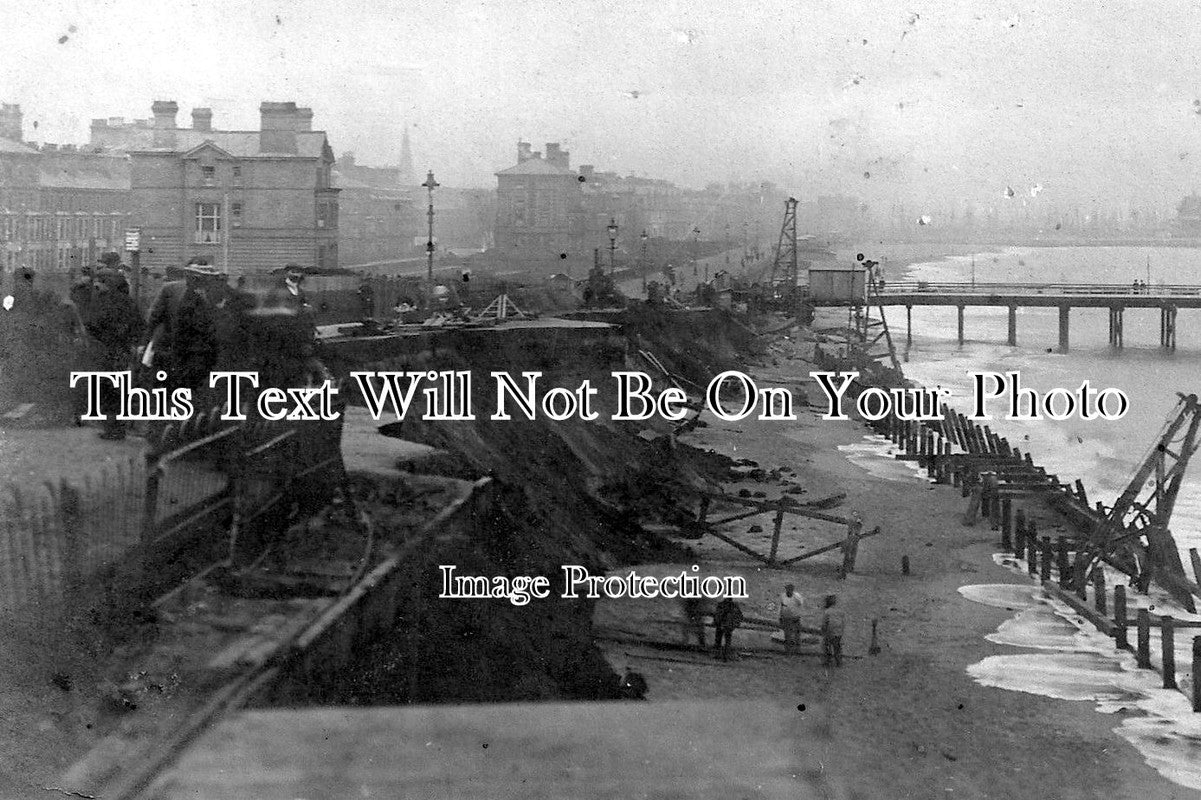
[{"x": 1092, "y": 289}]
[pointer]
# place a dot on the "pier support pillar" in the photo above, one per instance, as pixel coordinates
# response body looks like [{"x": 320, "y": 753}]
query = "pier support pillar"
[
  {"x": 1064, "y": 311},
  {"x": 1013, "y": 327},
  {"x": 1167, "y": 327},
  {"x": 909, "y": 326},
  {"x": 959, "y": 314},
  {"x": 1115, "y": 327}
]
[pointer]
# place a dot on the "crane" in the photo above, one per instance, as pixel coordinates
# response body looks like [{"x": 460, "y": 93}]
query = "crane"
[{"x": 1133, "y": 536}]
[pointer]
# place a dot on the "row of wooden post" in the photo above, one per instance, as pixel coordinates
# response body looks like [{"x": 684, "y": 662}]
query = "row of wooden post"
[{"x": 931, "y": 442}]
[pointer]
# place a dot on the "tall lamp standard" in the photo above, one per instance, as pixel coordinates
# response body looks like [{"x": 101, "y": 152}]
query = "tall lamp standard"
[
  {"x": 430, "y": 185},
  {"x": 644, "y": 237},
  {"x": 612, "y": 228},
  {"x": 696, "y": 239}
]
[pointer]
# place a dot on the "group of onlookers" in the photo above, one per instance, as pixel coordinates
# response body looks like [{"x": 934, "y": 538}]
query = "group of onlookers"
[{"x": 195, "y": 324}]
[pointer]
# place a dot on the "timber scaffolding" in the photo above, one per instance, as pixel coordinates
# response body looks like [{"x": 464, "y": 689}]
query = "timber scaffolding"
[{"x": 997, "y": 478}]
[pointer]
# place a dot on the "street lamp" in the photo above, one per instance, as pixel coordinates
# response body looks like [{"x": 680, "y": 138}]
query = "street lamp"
[
  {"x": 644, "y": 237},
  {"x": 696, "y": 238},
  {"x": 612, "y": 242},
  {"x": 430, "y": 185}
]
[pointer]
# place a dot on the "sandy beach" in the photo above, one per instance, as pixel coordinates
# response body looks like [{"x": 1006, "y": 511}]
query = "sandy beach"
[{"x": 909, "y": 722}]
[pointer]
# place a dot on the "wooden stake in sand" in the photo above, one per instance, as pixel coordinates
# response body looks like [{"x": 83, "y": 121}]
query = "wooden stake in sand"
[{"x": 874, "y": 649}]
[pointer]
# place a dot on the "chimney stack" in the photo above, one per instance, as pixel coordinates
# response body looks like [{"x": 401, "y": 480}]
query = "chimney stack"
[
  {"x": 164, "y": 122},
  {"x": 304, "y": 120},
  {"x": 523, "y": 152},
  {"x": 556, "y": 155},
  {"x": 278, "y": 128},
  {"x": 11, "y": 125},
  {"x": 202, "y": 119}
]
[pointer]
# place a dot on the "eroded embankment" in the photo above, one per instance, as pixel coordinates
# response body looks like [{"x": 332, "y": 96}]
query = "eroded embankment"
[{"x": 567, "y": 493}]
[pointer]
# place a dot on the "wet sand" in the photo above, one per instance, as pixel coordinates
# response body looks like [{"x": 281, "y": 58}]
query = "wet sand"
[{"x": 909, "y": 722}]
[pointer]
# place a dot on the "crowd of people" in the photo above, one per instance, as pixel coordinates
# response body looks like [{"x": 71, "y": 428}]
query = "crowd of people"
[{"x": 196, "y": 324}]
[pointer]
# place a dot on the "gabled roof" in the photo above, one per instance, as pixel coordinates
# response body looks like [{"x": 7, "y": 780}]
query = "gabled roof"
[
  {"x": 535, "y": 166},
  {"x": 207, "y": 144}
]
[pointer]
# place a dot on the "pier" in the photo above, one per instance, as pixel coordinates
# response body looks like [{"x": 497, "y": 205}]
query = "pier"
[{"x": 1063, "y": 296}]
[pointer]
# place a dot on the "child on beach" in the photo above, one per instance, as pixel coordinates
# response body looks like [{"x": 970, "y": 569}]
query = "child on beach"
[
  {"x": 833, "y": 624},
  {"x": 791, "y": 605}
]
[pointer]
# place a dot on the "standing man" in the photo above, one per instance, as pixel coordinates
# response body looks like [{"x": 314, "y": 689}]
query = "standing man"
[
  {"x": 791, "y": 604},
  {"x": 113, "y": 323},
  {"x": 182, "y": 335},
  {"x": 726, "y": 618},
  {"x": 290, "y": 295},
  {"x": 833, "y": 625}
]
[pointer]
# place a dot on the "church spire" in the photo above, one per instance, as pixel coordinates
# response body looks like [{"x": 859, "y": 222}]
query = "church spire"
[{"x": 406, "y": 157}]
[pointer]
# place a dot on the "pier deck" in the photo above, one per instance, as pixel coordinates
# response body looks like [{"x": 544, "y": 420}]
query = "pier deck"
[{"x": 1063, "y": 296}]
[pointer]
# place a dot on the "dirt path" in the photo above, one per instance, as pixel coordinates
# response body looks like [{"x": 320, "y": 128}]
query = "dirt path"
[{"x": 908, "y": 723}]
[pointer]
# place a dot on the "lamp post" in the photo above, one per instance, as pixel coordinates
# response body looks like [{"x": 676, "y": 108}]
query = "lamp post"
[
  {"x": 696, "y": 238},
  {"x": 612, "y": 228},
  {"x": 644, "y": 237},
  {"x": 430, "y": 184}
]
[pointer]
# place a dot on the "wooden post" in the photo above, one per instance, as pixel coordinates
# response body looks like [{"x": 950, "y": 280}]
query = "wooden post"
[
  {"x": 874, "y": 648},
  {"x": 704, "y": 511},
  {"x": 1196, "y": 673},
  {"x": 1019, "y": 533},
  {"x": 72, "y": 550},
  {"x": 1168, "y": 637},
  {"x": 1032, "y": 552},
  {"x": 1006, "y": 524},
  {"x": 904, "y": 565},
  {"x": 1119, "y": 617},
  {"x": 1047, "y": 553},
  {"x": 1099, "y": 590},
  {"x": 1143, "y": 654},
  {"x": 973, "y": 505},
  {"x": 1012, "y": 338},
  {"x": 1192, "y": 554},
  {"x": 1064, "y": 311},
  {"x": 1061, "y": 562},
  {"x": 959, "y": 317},
  {"x": 775, "y": 537}
]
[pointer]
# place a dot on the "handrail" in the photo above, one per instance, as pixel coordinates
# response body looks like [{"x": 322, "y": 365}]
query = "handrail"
[{"x": 979, "y": 288}]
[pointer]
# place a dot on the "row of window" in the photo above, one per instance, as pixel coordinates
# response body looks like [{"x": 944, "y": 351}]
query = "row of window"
[
  {"x": 210, "y": 219},
  {"x": 52, "y": 227}
]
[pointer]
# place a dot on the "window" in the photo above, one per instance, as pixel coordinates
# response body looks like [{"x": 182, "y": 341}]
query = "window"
[
  {"x": 235, "y": 209},
  {"x": 208, "y": 175},
  {"x": 208, "y": 223},
  {"x": 237, "y": 172}
]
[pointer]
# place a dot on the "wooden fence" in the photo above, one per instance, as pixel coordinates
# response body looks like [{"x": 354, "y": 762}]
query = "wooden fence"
[{"x": 205, "y": 477}]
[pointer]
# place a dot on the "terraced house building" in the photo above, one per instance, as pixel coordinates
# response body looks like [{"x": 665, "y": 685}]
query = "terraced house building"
[{"x": 247, "y": 201}]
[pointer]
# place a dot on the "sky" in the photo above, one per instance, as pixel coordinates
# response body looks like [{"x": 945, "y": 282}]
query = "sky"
[{"x": 928, "y": 104}]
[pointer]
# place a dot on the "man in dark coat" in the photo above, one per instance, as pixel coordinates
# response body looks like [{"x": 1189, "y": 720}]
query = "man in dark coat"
[
  {"x": 114, "y": 325},
  {"x": 182, "y": 331},
  {"x": 726, "y": 618}
]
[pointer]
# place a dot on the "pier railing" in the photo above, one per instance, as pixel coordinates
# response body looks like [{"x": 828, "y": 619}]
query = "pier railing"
[{"x": 892, "y": 289}]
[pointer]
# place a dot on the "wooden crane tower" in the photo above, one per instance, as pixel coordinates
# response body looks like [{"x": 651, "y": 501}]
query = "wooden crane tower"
[
  {"x": 783, "y": 278},
  {"x": 1134, "y": 535}
]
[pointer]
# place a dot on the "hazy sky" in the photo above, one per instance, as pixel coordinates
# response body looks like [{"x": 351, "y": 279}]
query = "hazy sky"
[{"x": 933, "y": 102}]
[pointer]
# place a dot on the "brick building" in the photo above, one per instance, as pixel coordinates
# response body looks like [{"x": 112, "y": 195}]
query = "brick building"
[
  {"x": 60, "y": 207},
  {"x": 539, "y": 212},
  {"x": 378, "y": 219},
  {"x": 248, "y": 201}
]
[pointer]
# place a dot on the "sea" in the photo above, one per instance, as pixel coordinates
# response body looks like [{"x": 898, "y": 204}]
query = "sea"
[
  {"x": 1104, "y": 454},
  {"x": 1055, "y": 652}
]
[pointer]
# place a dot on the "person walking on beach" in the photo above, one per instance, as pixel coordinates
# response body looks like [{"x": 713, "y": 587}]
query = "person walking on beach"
[
  {"x": 790, "y": 617},
  {"x": 726, "y": 618},
  {"x": 833, "y": 624}
]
